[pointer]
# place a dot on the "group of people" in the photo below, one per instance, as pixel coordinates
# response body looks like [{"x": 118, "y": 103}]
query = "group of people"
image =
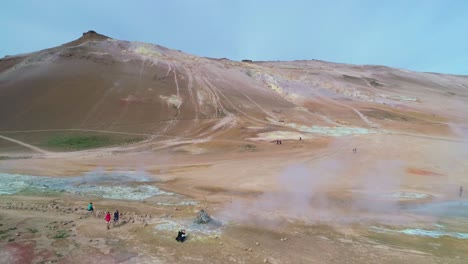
[
  {"x": 279, "y": 142},
  {"x": 108, "y": 215},
  {"x": 181, "y": 235},
  {"x": 354, "y": 150}
]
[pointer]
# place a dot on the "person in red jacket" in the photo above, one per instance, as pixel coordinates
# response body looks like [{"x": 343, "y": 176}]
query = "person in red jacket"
[{"x": 108, "y": 218}]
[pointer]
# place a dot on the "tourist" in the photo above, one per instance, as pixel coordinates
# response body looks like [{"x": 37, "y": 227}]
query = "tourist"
[
  {"x": 108, "y": 218},
  {"x": 460, "y": 191},
  {"x": 90, "y": 207},
  {"x": 181, "y": 236},
  {"x": 116, "y": 217}
]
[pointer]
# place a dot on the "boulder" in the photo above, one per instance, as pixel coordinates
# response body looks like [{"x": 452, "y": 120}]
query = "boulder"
[{"x": 203, "y": 218}]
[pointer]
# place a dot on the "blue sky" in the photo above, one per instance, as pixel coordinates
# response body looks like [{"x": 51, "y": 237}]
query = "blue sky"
[{"x": 412, "y": 34}]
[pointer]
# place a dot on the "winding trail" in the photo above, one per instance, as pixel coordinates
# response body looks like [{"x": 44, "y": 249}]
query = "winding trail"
[{"x": 25, "y": 145}]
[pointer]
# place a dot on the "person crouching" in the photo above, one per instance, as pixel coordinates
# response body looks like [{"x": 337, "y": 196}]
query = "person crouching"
[{"x": 181, "y": 236}]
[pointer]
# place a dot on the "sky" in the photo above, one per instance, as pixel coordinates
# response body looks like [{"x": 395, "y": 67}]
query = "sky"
[{"x": 430, "y": 35}]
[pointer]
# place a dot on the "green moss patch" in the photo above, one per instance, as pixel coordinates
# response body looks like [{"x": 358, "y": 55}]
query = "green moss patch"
[
  {"x": 79, "y": 142},
  {"x": 62, "y": 234}
]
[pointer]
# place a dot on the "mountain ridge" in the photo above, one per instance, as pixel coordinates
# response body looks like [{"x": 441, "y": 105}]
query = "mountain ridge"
[{"x": 116, "y": 85}]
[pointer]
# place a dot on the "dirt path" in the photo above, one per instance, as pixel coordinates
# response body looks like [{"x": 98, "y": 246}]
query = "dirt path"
[
  {"x": 424, "y": 136},
  {"x": 26, "y": 145}
]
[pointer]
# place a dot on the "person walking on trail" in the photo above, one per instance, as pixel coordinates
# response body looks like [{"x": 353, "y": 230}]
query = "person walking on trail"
[
  {"x": 108, "y": 218},
  {"x": 460, "y": 191},
  {"x": 116, "y": 217}
]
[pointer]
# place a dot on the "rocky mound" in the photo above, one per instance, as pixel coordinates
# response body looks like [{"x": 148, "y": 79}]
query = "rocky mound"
[
  {"x": 203, "y": 218},
  {"x": 91, "y": 35}
]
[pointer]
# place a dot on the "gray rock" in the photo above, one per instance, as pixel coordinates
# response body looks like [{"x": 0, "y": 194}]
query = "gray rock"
[{"x": 203, "y": 218}]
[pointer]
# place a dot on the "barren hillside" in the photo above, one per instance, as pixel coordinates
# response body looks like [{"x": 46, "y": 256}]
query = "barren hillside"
[{"x": 100, "y": 83}]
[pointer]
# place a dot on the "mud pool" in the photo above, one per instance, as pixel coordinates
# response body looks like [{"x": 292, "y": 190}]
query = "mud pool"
[
  {"x": 439, "y": 232},
  {"x": 199, "y": 231},
  {"x": 123, "y": 185},
  {"x": 406, "y": 196},
  {"x": 441, "y": 209}
]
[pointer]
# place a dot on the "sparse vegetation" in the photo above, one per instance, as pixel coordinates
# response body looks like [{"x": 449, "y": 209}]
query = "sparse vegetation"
[
  {"x": 62, "y": 234},
  {"x": 9, "y": 158},
  {"x": 33, "y": 230},
  {"x": 87, "y": 142}
]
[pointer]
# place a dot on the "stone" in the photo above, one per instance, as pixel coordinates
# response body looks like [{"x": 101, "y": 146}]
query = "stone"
[{"x": 203, "y": 218}]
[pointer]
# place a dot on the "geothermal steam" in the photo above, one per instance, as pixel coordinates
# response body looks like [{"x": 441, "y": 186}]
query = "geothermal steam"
[{"x": 304, "y": 194}]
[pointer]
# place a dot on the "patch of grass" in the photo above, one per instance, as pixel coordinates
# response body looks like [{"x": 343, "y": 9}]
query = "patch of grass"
[
  {"x": 62, "y": 234},
  {"x": 2, "y": 232},
  {"x": 10, "y": 158},
  {"x": 77, "y": 142}
]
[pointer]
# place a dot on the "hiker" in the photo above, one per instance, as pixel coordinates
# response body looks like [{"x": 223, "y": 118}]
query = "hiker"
[
  {"x": 300, "y": 138},
  {"x": 280, "y": 142},
  {"x": 90, "y": 207},
  {"x": 108, "y": 218},
  {"x": 181, "y": 236},
  {"x": 116, "y": 216},
  {"x": 461, "y": 191}
]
